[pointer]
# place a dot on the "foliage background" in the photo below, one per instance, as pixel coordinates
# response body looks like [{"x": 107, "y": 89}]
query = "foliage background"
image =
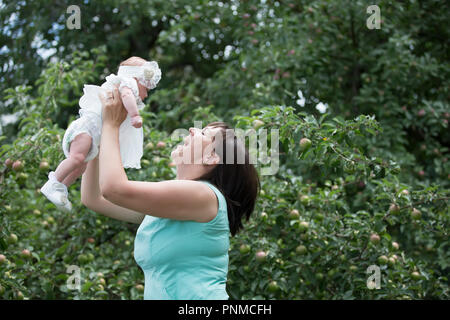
[{"x": 385, "y": 131}]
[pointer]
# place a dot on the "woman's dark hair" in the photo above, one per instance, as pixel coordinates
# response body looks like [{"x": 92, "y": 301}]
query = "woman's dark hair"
[{"x": 239, "y": 183}]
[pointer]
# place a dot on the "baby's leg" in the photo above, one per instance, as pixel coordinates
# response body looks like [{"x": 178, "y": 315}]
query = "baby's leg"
[
  {"x": 129, "y": 102},
  {"x": 131, "y": 109},
  {"x": 78, "y": 150},
  {"x": 136, "y": 121},
  {"x": 74, "y": 175}
]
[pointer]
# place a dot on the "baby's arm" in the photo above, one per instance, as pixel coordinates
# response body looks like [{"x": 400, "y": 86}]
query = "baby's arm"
[{"x": 129, "y": 101}]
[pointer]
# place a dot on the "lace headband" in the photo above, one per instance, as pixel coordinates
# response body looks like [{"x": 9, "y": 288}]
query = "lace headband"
[{"x": 148, "y": 74}]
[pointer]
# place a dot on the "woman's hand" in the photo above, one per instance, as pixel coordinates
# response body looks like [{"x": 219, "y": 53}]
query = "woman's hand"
[{"x": 113, "y": 111}]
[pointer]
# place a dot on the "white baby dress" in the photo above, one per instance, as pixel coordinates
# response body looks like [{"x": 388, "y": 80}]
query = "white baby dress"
[{"x": 131, "y": 139}]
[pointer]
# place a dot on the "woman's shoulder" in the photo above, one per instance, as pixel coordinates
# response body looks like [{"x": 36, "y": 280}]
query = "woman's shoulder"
[
  {"x": 212, "y": 186},
  {"x": 221, "y": 216}
]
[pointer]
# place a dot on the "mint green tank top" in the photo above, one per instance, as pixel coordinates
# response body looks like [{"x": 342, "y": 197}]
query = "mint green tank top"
[{"x": 184, "y": 259}]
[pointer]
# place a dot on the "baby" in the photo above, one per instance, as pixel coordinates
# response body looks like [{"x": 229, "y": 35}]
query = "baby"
[{"x": 82, "y": 138}]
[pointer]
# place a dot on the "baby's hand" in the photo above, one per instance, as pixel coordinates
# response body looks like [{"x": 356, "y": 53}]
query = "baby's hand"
[{"x": 136, "y": 121}]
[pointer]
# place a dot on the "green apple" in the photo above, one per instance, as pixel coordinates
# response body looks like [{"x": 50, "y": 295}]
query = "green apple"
[
  {"x": 395, "y": 245},
  {"x": 161, "y": 145},
  {"x": 12, "y": 239},
  {"x": 9, "y": 163},
  {"x": 375, "y": 238},
  {"x": 17, "y": 165},
  {"x": 260, "y": 256},
  {"x": 264, "y": 215},
  {"x": 149, "y": 146},
  {"x": 244, "y": 248},
  {"x": 305, "y": 143},
  {"x": 416, "y": 214},
  {"x": 319, "y": 275},
  {"x": 281, "y": 262},
  {"x": 44, "y": 166},
  {"x": 82, "y": 258},
  {"x": 303, "y": 226},
  {"x": 394, "y": 209},
  {"x": 2, "y": 259},
  {"x": 353, "y": 268},
  {"x": 26, "y": 253},
  {"x": 294, "y": 214},
  {"x": 304, "y": 199},
  {"x": 139, "y": 287},
  {"x": 273, "y": 286},
  {"x": 392, "y": 261},
  {"x": 22, "y": 177},
  {"x": 257, "y": 124},
  {"x": 415, "y": 275},
  {"x": 301, "y": 249},
  {"x": 383, "y": 259}
]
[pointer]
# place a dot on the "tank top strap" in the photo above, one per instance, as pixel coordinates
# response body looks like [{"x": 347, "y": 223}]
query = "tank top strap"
[{"x": 222, "y": 215}]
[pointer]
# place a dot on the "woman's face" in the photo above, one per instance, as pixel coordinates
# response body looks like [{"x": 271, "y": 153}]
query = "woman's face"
[{"x": 196, "y": 153}]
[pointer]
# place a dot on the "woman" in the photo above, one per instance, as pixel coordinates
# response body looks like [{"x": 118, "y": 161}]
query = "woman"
[{"x": 183, "y": 239}]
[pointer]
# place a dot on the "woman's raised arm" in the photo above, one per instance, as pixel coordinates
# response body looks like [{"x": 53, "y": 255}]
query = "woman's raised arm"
[{"x": 92, "y": 198}]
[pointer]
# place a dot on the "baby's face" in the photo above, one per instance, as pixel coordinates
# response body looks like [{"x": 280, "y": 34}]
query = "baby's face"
[{"x": 142, "y": 91}]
